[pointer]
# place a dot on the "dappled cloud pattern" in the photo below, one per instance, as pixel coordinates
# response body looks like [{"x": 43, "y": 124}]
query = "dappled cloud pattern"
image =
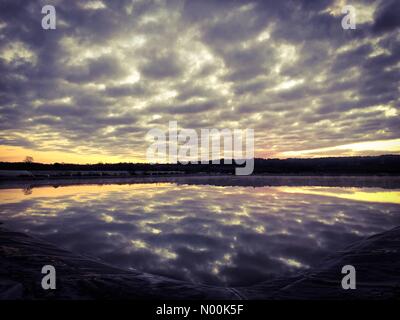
[
  {"x": 203, "y": 234},
  {"x": 91, "y": 89}
]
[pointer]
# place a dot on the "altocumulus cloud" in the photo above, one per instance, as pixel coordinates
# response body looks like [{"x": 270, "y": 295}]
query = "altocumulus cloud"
[{"x": 114, "y": 69}]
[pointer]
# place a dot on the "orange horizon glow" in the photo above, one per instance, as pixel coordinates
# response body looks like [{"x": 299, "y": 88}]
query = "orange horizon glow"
[{"x": 18, "y": 154}]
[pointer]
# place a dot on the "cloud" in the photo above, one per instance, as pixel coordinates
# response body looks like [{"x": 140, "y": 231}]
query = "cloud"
[
  {"x": 111, "y": 71},
  {"x": 104, "y": 67},
  {"x": 162, "y": 67},
  {"x": 387, "y": 17}
]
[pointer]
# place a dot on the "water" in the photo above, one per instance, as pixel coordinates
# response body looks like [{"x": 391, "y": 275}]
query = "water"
[{"x": 219, "y": 235}]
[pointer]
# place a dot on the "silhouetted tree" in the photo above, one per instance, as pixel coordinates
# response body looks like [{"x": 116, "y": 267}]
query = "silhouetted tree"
[{"x": 28, "y": 159}]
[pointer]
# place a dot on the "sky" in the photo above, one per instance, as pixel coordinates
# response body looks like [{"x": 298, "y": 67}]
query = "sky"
[{"x": 90, "y": 90}]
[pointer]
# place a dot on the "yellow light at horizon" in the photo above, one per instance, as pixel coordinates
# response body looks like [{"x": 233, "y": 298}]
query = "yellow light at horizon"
[
  {"x": 347, "y": 193},
  {"x": 75, "y": 191},
  {"x": 18, "y": 154},
  {"x": 384, "y": 146}
]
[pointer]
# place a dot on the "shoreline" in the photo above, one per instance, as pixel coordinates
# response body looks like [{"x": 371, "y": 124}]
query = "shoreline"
[{"x": 386, "y": 182}]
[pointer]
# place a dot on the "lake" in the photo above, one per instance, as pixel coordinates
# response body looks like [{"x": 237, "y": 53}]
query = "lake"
[{"x": 220, "y": 235}]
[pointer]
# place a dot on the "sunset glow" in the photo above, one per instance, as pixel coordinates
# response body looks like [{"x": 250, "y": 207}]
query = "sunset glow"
[{"x": 91, "y": 89}]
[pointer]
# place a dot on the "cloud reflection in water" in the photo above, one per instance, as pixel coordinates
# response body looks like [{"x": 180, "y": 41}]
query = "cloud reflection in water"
[{"x": 206, "y": 234}]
